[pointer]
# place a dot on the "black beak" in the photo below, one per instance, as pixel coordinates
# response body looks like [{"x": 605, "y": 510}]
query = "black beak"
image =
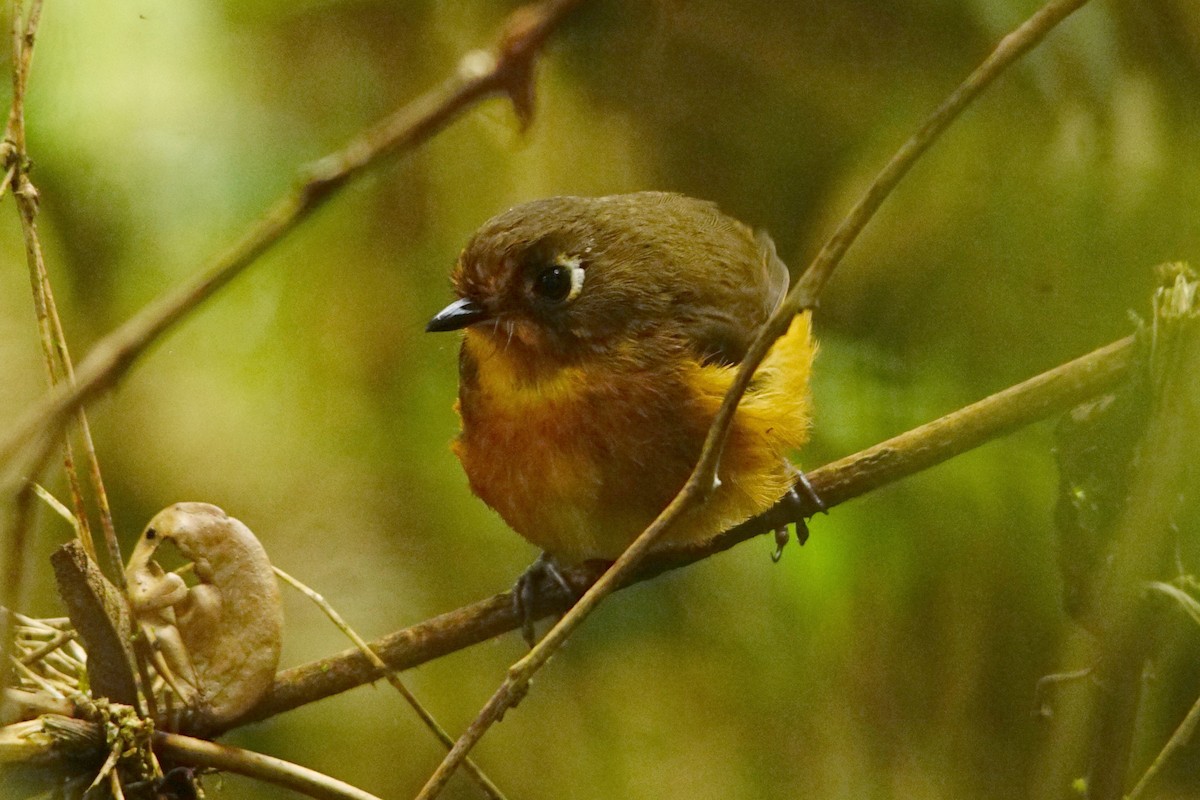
[{"x": 458, "y": 314}]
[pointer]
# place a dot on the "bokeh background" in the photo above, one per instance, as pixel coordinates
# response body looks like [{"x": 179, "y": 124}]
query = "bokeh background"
[{"x": 896, "y": 654}]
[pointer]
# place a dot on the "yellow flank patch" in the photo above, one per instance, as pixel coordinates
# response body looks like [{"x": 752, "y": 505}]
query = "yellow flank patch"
[{"x": 771, "y": 421}]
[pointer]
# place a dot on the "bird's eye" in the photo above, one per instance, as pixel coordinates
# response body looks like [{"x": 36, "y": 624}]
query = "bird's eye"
[
  {"x": 560, "y": 282},
  {"x": 553, "y": 283}
]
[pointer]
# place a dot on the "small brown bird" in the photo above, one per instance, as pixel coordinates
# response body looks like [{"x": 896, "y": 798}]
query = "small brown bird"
[{"x": 601, "y": 336}]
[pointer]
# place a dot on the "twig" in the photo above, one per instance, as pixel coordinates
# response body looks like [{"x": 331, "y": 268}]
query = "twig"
[
  {"x": 61, "y": 638},
  {"x": 1181, "y": 736},
  {"x": 18, "y": 705},
  {"x": 51, "y": 738},
  {"x": 1044, "y": 395},
  {"x": 58, "y": 508},
  {"x": 802, "y": 296},
  {"x": 55, "y": 357},
  {"x": 24, "y": 32},
  {"x": 201, "y": 753},
  {"x": 507, "y": 69},
  {"x": 1183, "y": 733},
  {"x": 477, "y": 774}
]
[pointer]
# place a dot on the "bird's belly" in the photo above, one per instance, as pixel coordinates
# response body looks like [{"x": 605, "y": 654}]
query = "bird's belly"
[{"x": 578, "y": 474}]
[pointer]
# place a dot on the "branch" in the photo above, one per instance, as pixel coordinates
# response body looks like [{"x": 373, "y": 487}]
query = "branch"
[
  {"x": 56, "y": 355},
  {"x": 52, "y": 739},
  {"x": 201, "y": 753},
  {"x": 1039, "y": 397},
  {"x": 802, "y": 296},
  {"x": 506, "y": 69}
]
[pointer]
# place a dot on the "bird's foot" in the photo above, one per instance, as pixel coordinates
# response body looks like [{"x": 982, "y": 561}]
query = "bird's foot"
[
  {"x": 803, "y": 485},
  {"x": 800, "y": 499},
  {"x": 527, "y": 590}
]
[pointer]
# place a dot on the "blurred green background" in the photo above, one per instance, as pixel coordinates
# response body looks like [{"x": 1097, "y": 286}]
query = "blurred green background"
[{"x": 895, "y": 655}]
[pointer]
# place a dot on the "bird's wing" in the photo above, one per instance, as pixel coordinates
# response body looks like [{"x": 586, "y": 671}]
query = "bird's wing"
[
  {"x": 720, "y": 332},
  {"x": 778, "y": 277}
]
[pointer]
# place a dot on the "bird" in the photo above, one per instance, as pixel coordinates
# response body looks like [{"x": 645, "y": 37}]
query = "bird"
[{"x": 600, "y": 335}]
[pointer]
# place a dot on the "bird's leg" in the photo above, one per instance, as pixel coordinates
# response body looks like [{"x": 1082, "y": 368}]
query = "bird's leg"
[
  {"x": 804, "y": 483},
  {"x": 525, "y": 592},
  {"x": 799, "y": 498}
]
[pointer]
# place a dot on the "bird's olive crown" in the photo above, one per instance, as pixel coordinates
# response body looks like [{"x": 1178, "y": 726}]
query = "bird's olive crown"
[{"x": 593, "y": 270}]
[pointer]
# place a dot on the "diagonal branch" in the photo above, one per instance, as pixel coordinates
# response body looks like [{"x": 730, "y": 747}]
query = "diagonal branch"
[
  {"x": 506, "y": 69},
  {"x": 1042, "y": 396},
  {"x": 489, "y": 788},
  {"x": 801, "y": 297}
]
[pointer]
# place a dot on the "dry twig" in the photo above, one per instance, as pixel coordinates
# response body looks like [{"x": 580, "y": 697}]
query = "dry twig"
[
  {"x": 201, "y": 753},
  {"x": 485, "y": 783}
]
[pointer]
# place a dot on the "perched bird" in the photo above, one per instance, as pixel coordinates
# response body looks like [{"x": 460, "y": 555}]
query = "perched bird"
[{"x": 601, "y": 334}]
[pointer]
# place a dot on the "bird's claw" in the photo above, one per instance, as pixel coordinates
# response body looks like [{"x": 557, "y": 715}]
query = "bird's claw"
[
  {"x": 801, "y": 497},
  {"x": 525, "y": 592},
  {"x": 781, "y": 540},
  {"x": 805, "y": 484}
]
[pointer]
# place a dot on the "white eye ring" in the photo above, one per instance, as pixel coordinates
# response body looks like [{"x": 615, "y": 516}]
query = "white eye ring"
[{"x": 573, "y": 265}]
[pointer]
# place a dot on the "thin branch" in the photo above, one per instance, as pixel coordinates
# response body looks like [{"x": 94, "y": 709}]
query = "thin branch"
[
  {"x": 60, "y": 367},
  {"x": 1042, "y": 396},
  {"x": 1183, "y": 733},
  {"x": 24, "y": 34},
  {"x": 507, "y": 69},
  {"x": 55, "y": 356},
  {"x": 477, "y": 774},
  {"x": 12, "y": 152},
  {"x": 57, "y": 506},
  {"x": 802, "y": 296},
  {"x": 201, "y": 753},
  {"x": 1179, "y": 739},
  {"x": 52, "y": 738},
  {"x": 61, "y": 638}
]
